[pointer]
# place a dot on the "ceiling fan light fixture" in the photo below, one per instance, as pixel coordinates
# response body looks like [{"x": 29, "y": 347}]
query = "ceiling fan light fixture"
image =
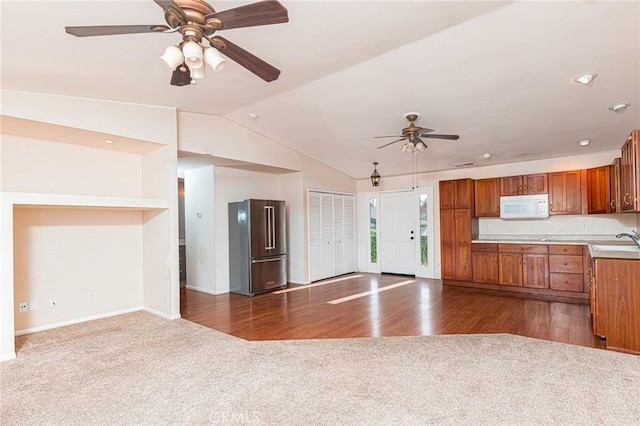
[
  {"x": 172, "y": 56},
  {"x": 420, "y": 146},
  {"x": 198, "y": 73},
  {"x": 192, "y": 54},
  {"x": 214, "y": 59}
]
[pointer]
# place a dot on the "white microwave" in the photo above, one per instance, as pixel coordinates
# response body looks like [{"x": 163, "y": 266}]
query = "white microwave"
[{"x": 524, "y": 206}]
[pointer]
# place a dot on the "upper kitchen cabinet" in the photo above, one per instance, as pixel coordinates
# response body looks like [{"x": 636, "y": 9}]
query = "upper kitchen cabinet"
[
  {"x": 487, "y": 197},
  {"x": 630, "y": 174},
  {"x": 456, "y": 194},
  {"x": 524, "y": 185},
  {"x": 599, "y": 199},
  {"x": 565, "y": 192}
]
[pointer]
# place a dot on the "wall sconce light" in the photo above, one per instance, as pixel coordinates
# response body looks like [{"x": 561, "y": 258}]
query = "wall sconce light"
[{"x": 375, "y": 176}]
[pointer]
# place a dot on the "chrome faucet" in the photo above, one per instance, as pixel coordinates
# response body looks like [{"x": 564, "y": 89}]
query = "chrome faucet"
[{"x": 635, "y": 237}]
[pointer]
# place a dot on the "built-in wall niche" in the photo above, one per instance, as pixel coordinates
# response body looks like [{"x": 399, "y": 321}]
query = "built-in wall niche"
[
  {"x": 74, "y": 264},
  {"x": 51, "y": 167}
]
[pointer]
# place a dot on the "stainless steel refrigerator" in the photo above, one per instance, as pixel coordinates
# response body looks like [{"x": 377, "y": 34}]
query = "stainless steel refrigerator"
[{"x": 257, "y": 246}]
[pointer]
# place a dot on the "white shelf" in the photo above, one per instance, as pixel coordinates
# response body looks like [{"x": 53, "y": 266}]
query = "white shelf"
[{"x": 27, "y": 199}]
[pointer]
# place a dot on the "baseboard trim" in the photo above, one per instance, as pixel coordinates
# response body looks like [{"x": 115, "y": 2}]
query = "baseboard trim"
[
  {"x": 202, "y": 289},
  {"x": 8, "y": 357},
  {"x": 161, "y": 314},
  {"x": 76, "y": 321}
]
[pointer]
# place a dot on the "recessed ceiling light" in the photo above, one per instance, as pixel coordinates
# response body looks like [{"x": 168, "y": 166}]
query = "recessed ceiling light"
[
  {"x": 619, "y": 107},
  {"x": 253, "y": 116},
  {"x": 585, "y": 78},
  {"x": 487, "y": 155},
  {"x": 584, "y": 142},
  {"x": 109, "y": 141}
]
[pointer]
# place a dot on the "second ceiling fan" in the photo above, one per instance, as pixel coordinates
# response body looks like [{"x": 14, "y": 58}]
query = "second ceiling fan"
[
  {"x": 196, "y": 21},
  {"x": 413, "y": 133}
]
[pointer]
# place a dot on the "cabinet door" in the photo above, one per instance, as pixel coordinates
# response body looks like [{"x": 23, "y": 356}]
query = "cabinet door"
[
  {"x": 485, "y": 267},
  {"x": 630, "y": 174},
  {"x": 614, "y": 185},
  {"x": 598, "y": 190},
  {"x": 447, "y": 194},
  {"x": 535, "y": 270},
  {"x": 487, "y": 197},
  {"x": 510, "y": 269},
  {"x": 535, "y": 184},
  {"x": 464, "y": 194},
  {"x": 447, "y": 244},
  {"x": 565, "y": 195},
  {"x": 463, "y": 237},
  {"x": 511, "y": 185}
]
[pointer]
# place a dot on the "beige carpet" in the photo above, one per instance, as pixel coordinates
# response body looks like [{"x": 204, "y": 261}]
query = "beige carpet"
[{"x": 141, "y": 369}]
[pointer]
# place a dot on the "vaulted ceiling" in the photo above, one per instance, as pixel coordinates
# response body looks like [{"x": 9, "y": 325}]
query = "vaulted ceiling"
[{"x": 500, "y": 74}]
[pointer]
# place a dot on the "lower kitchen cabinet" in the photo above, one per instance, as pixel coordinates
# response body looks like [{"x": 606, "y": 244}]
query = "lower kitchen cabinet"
[
  {"x": 484, "y": 258},
  {"x": 525, "y": 265},
  {"x": 616, "y": 306},
  {"x": 566, "y": 268}
]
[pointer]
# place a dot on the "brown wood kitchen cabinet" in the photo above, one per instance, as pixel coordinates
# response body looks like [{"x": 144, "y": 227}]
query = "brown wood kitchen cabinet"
[
  {"x": 524, "y": 185},
  {"x": 457, "y": 229},
  {"x": 484, "y": 258},
  {"x": 524, "y": 265},
  {"x": 565, "y": 192},
  {"x": 566, "y": 269},
  {"x": 616, "y": 311},
  {"x": 630, "y": 174},
  {"x": 487, "y": 197},
  {"x": 599, "y": 190}
]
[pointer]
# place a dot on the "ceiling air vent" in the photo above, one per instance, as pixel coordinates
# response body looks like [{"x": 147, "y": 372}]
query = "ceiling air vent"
[{"x": 467, "y": 164}]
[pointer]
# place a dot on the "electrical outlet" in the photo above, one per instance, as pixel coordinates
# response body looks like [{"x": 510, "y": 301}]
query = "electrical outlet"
[
  {"x": 584, "y": 226},
  {"x": 92, "y": 296},
  {"x": 23, "y": 306},
  {"x": 33, "y": 305},
  {"x": 52, "y": 302},
  {"x": 489, "y": 227}
]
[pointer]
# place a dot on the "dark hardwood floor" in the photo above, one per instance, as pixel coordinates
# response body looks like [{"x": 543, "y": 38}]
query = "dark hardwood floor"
[{"x": 424, "y": 307}]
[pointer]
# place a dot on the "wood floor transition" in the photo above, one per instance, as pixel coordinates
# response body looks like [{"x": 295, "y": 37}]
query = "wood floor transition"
[{"x": 371, "y": 305}]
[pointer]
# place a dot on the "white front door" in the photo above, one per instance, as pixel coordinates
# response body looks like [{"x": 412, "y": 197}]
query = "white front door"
[{"x": 397, "y": 233}]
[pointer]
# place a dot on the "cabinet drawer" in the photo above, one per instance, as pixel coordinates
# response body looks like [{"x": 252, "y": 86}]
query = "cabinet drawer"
[
  {"x": 565, "y": 249},
  {"x": 565, "y": 263},
  {"x": 523, "y": 248},
  {"x": 565, "y": 282},
  {"x": 486, "y": 247}
]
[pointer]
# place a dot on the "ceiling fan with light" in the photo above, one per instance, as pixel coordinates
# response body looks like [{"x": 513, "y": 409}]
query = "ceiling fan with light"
[
  {"x": 413, "y": 133},
  {"x": 197, "y": 21}
]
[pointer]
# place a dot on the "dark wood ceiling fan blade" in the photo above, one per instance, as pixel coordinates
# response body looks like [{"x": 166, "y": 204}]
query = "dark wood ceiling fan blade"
[
  {"x": 248, "y": 60},
  {"x": 434, "y": 136},
  {"x": 425, "y": 130},
  {"x": 103, "y": 30},
  {"x": 181, "y": 76},
  {"x": 251, "y": 15},
  {"x": 392, "y": 136},
  {"x": 168, "y": 5},
  {"x": 390, "y": 143}
]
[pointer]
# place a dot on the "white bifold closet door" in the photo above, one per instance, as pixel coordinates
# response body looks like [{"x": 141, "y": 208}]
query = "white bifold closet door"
[{"x": 332, "y": 234}]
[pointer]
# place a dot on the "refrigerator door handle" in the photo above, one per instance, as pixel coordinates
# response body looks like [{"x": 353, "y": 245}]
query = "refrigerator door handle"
[
  {"x": 267, "y": 230},
  {"x": 273, "y": 259}
]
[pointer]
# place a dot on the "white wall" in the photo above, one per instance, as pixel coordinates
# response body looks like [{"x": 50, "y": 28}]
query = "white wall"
[
  {"x": 291, "y": 191},
  {"x": 30, "y": 165},
  {"x": 138, "y": 179},
  {"x": 199, "y": 215},
  {"x": 235, "y": 185},
  {"x": 67, "y": 253}
]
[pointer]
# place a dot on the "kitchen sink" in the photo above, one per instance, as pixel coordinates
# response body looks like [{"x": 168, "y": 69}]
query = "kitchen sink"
[{"x": 611, "y": 247}]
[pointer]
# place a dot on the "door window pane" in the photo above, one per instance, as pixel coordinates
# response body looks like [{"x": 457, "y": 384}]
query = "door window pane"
[
  {"x": 373, "y": 229},
  {"x": 424, "y": 231}
]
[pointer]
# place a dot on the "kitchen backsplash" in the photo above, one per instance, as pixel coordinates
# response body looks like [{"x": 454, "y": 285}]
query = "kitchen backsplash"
[{"x": 568, "y": 226}]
